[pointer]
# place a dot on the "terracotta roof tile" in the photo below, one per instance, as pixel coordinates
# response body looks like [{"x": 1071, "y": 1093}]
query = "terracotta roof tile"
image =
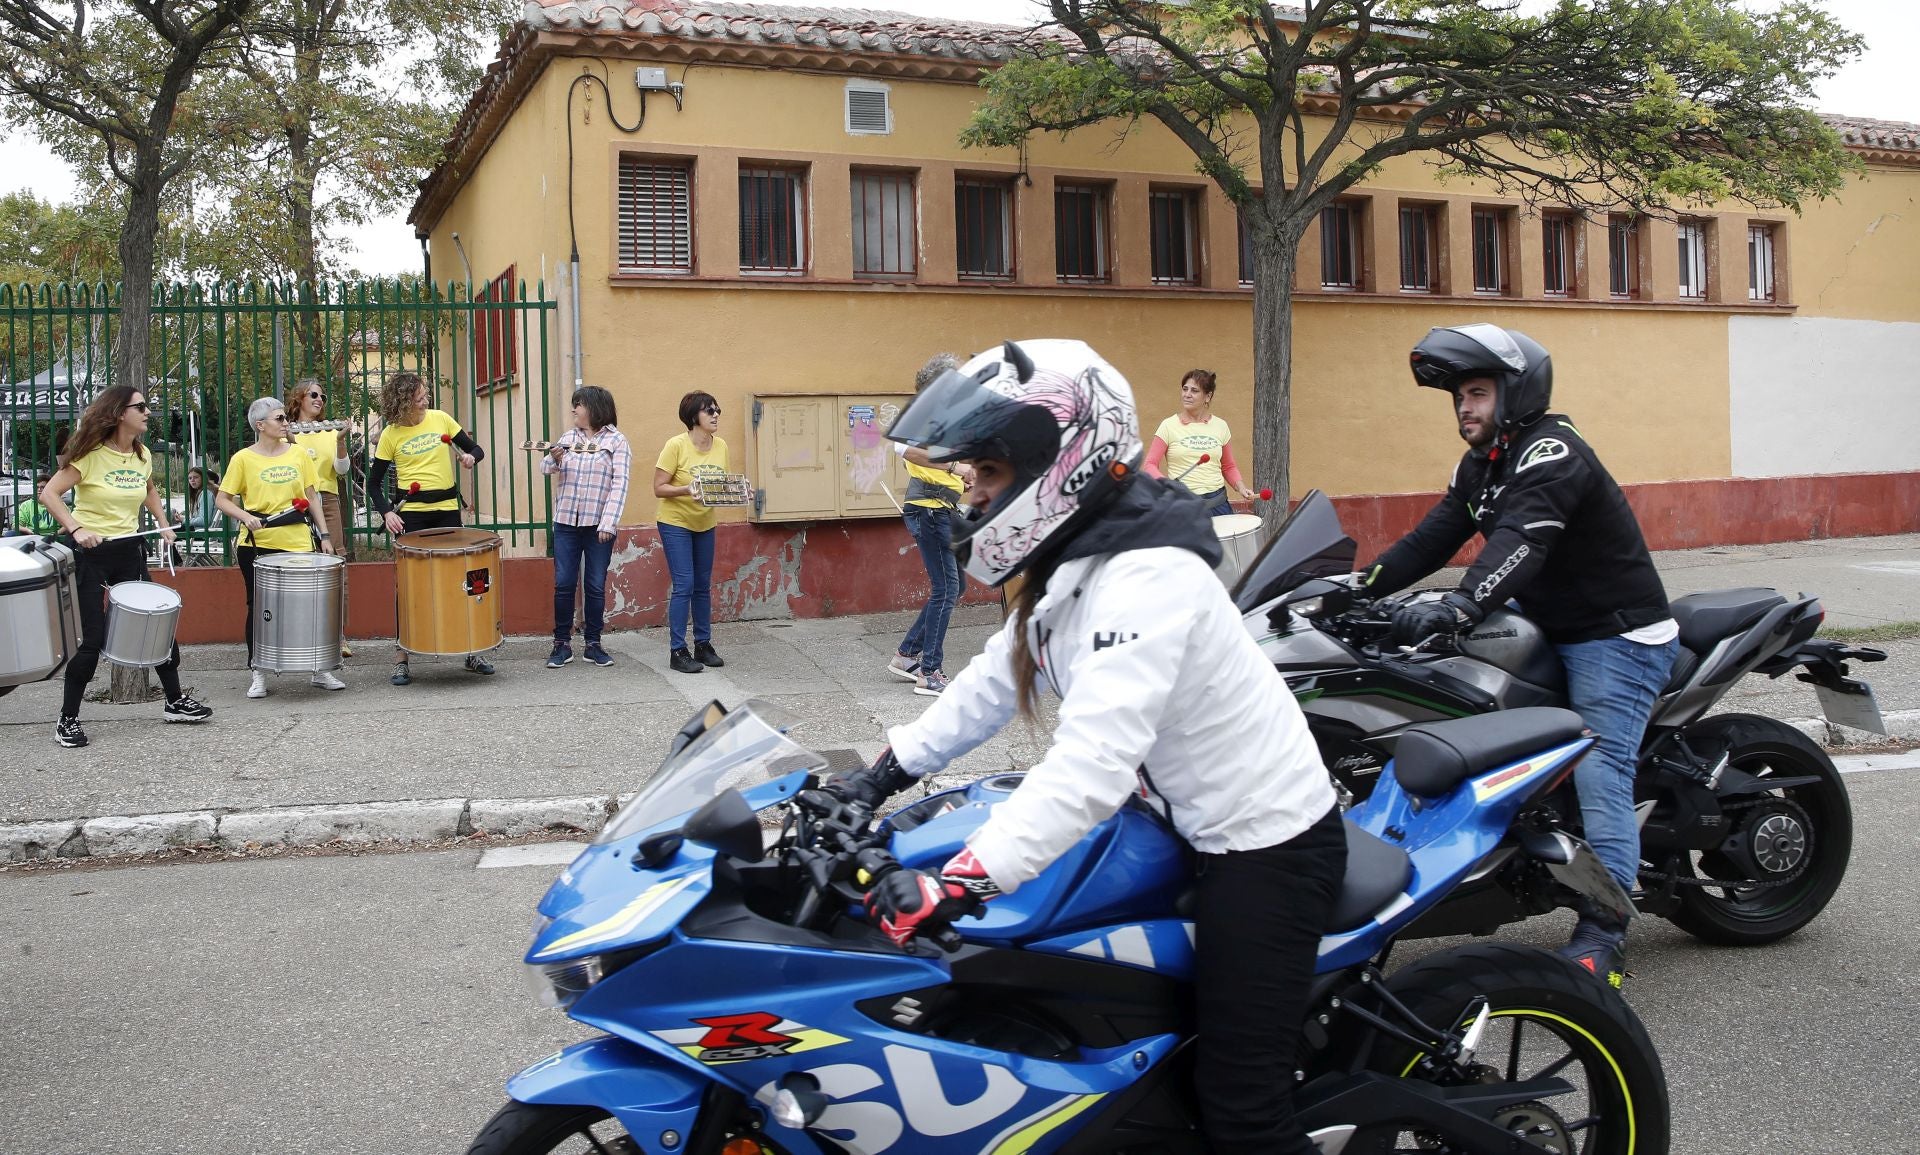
[
  {"x": 829, "y": 29},
  {"x": 1863, "y": 132}
]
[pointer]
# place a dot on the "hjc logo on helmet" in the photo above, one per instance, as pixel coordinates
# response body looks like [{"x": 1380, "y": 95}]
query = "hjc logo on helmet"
[{"x": 1101, "y": 457}]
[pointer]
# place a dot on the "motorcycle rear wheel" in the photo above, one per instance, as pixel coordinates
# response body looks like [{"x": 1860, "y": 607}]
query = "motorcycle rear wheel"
[{"x": 1548, "y": 1017}]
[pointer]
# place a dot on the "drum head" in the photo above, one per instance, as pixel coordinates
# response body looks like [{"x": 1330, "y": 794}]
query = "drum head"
[
  {"x": 1235, "y": 524},
  {"x": 299, "y": 561},
  {"x": 146, "y": 597},
  {"x": 450, "y": 539}
]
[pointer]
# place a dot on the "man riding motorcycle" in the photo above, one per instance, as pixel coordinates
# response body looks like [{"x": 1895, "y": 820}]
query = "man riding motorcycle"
[{"x": 1562, "y": 542}]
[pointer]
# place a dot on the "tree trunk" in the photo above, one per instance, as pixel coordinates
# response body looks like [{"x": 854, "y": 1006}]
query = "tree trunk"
[
  {"x": 1275, "y": 255},
  {"x": 127, "y": 684},
  {"x": 136, "y": 272}
]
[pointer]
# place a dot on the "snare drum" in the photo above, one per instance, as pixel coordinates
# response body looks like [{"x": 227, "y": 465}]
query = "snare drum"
[
  {"x": 299, "y": 602},
  {"x": 448, "y": 585},
  {"x": 141, "y": 618},
  {"x": 1239, "y": 535}
]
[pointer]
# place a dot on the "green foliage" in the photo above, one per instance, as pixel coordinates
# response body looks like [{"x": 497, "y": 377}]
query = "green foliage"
[{"x": 46, "y": 242}]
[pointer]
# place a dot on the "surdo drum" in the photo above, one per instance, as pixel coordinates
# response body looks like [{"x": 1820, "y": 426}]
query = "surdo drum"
[
  {"x": 448, "y": 585},
  {"x": 299, "y": 603},
  {"x": 141, "y": 618},
  {"x": 1239, "y": 535}
]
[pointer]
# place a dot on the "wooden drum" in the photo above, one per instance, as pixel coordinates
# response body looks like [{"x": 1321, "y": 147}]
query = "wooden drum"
[{"x": 448, "y": 586}]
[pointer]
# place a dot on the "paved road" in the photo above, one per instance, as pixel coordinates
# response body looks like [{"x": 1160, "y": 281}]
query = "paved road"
[{"x": 373, "y": 1004}]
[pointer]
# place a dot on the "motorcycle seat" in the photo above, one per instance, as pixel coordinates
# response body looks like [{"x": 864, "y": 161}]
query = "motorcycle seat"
[
  {"x": 1434, "y": 757},
  {"x": 1706, "y": 618},
  {"x": 1376, "y": 875}
]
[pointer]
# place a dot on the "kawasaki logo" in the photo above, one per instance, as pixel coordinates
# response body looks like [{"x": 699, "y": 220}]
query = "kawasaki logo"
[{"x": 1493, "y": 635}]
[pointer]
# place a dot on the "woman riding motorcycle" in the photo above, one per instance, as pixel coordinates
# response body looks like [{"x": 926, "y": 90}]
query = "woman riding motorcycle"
[{"x": 1163, "y": 694}]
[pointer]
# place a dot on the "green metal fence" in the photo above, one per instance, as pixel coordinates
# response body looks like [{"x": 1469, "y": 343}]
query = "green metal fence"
[{"x": 213, "y": 349}]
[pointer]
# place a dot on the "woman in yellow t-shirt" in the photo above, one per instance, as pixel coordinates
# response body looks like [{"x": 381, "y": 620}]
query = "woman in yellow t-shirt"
[
  {"x": 933, "y": 498},
  {"x": 686, "y": 529},
  {"x": 261, "y": 480},
  {"x": 418, "y": 446},
  {"x": 327, "y": 450},
  {"x": 111, "y": 477},
  {"x": 1187, "y": 436}
]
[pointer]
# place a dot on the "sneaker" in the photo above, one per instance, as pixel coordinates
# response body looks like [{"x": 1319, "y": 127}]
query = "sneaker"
[
  {"x": 326, "y": 681},
  {"x": 933, "y": 684},
  {"x": 69, "y": 734},
  {"x": 478, "y": 664},
  {"x": 703, "y": 653},
  {"x": 400, "y": 677},
  {"x": 1598, "y": 949},
  {"x": 561, "y": 655},
  {"x": 597, "y": 656},
  {"x": 259, "y": 687},
  {"x": 683, "y": 662},
  {"x": 185, "y": 709},
  {"x": 905, "y": 666}
]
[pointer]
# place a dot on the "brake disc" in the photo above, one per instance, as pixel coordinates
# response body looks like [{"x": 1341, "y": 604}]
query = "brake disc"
[
  {"x": 1772, "y": 842},
  {"x": 1538, "y": 1125}
]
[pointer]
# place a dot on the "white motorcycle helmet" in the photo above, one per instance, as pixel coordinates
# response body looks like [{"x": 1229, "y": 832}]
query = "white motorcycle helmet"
[{"x": 1059, "y": 414}]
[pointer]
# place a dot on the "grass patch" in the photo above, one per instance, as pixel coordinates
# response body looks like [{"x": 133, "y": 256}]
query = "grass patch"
[{"x": 1885, "y": 632}]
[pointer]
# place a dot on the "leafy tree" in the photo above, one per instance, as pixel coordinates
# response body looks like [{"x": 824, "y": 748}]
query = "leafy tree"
[
  {"x": 1594, "y": 104},
  {"x": 40, "y": 241}
]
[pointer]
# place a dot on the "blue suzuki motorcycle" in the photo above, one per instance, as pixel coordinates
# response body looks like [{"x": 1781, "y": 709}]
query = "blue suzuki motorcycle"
[{"x": 714, "y": 934}]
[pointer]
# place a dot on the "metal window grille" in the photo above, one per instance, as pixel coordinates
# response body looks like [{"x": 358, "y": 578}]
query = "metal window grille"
[
  {"x": 495, "y": 350},
  {"x": 1340, "y": 246},
  {"x": 983, "y": 228},
  {"x": 1246, "y": 247},
  {"x": 1760, "y": 283},
  {"x": 1416, "y": 249},
  {"x": 884, "y": 241},
  {"x": 1623, "y": 256},
  {"x": 1489, "y": 257},
  {"x": 1080, "y": 233},
  {"x": 868, "y": 112},
  {"x": 1693, "y": 259},
  {"x": 773, "y": 219},
  {"x": 1556, "y": 245},
  {"x": 1172, "y": 217},
  {"x": 656, "y": 216}
]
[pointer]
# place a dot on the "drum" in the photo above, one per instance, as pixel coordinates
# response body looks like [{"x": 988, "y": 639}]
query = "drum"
[
  {"x": 39, "y": 612},
  {"x": 1239, "y": 535},
  {"x": 299, "y": 607},
  {"x": 141, "y": 617},
  {"x": 448, "y": 585}
]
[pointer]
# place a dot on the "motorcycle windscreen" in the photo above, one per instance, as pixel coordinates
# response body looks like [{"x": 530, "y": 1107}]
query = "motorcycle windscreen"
[{"x": 1310, "y": 544}]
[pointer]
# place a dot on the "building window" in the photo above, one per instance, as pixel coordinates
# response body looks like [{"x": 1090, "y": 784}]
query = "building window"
[
  {"x": 495, "y": 345},
  {"x": 1760, "y": 283},
  {"x": 1340, "y": 246},
  {"x": 773, "y": 220},
  {"x": 983, "y": 228},
  {"x": 1693, "y": 259},
  {"x": 1173, "y": 217},
  {"x": 656, "y": 216},
  {"x": 884, "y": 241},
  {"x": 1489, "y": 251},
  {"x": 1246, "y": 246},
  {"x": 1556, "y": 250},
  {"x": 1416, "y": 248},
  {"x": 1080, "y": 233},
  {"x": 1623, "y": 256}
]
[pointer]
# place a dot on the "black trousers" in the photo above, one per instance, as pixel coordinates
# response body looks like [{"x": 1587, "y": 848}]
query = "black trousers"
[
  {"x": 95, "y": 569},
  {"x": 244, "y": 556},
  {"x": 1257, "y": 927}
]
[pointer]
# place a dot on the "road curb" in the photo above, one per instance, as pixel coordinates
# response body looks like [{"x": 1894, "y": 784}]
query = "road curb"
[{"x": 1902, "y": 725}]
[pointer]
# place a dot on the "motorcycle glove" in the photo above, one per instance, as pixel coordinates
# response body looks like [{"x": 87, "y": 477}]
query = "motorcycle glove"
[
  {"x": 903, "y": 903},
  {"x": 872, "y": 785},
  {"x": 1413, "y": 624}
]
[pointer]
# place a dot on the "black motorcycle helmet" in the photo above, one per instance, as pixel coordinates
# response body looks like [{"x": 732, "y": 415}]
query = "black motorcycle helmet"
[{"x": 1522, "y": 371}]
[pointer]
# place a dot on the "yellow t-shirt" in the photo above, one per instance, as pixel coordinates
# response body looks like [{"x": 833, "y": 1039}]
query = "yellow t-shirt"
[
  {"x": 682, "y": 462},
  {"x": 266, "y": 486},
  {"x": 113, "y": 486},
  {"x": 939, "y": 477},
  {"x": 1186, "y": 442},
  {"x": 320, "y": 447},
  {"x": 419, "y": 455}
]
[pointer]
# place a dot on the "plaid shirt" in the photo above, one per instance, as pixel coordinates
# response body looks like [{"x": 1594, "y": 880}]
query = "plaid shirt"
[{"x": 593, "y": 486}]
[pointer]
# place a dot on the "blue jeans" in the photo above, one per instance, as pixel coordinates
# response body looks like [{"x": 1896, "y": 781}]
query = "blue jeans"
[
  {"x": 571, "y": 545},
  {"x": 932, "y": 531},
  {"x": 690, "y": 561},
  {"x": 1612, "y": 683}
]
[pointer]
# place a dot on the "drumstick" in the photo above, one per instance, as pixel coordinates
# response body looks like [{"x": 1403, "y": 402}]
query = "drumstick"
[{"x": 1204, "y": 458}]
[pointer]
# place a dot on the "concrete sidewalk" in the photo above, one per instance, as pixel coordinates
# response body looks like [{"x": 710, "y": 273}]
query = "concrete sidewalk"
[{"x": 587, "y": 734}]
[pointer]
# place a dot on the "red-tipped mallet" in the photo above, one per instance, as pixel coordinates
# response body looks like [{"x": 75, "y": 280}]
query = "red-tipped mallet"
[
  {"x": 1204, "y": 458},
  {"x": 1266, "y": 495}
]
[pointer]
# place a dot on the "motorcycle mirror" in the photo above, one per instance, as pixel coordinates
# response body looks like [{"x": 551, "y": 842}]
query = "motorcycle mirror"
[
  {"x": 729, "y": 825},
  {"x": 657, "y": 848},
  {"x": 702, "y": 720},
  {"x": 1317, "y": 598}
]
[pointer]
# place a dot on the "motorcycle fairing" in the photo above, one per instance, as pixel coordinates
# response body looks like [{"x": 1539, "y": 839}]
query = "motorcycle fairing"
[
  {"x": 648, "y": 1097},
  {"x": 1163, "y": 946}
]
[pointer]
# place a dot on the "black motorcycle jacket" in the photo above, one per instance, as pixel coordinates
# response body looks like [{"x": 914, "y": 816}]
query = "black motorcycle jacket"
[{"x": 1560, "y": 538}]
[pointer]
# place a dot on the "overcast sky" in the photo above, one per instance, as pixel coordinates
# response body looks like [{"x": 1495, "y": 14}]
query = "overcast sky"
[{"x": 1879, "y": 84}]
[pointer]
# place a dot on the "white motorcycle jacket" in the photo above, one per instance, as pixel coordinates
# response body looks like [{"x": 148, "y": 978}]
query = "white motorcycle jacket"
[{"x": 1161, "y": 688}]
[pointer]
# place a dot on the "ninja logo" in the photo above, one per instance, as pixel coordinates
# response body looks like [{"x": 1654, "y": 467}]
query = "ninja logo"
[
  {"x": 733, "y": 1038},
  {"x": 1110, "y": 638}
]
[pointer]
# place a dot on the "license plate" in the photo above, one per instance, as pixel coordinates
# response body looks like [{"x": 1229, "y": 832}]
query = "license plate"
[{"x": 1855, "y": 708}]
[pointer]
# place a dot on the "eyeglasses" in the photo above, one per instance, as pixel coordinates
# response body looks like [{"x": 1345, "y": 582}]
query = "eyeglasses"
[
  {"x": 140, "y": 405},
  {"x": 278, "y": 417},
  {"x": 713, "y": 409},
  {"x": 317, "y": 395}
]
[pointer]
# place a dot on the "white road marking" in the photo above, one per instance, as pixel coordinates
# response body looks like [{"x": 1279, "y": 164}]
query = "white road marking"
[{"x": 1867, "y": 763}]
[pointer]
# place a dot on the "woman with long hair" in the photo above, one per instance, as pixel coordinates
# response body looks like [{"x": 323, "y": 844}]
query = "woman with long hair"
[
  {"x": 108, "y": 471},
  {"x": 413, "y": 447},
  {"x": 1187, "y": 436},
  {"x": 592, "y": 461},
  {"x": 200, "y": 507},
  {"x": 686, "y": 529},
  {"x": 264, "y": 479}
]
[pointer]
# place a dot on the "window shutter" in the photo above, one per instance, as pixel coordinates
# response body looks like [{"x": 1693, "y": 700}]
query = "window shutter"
[
  {"x": 868, "y": 112},
  {"x": 656, "y": 216}
]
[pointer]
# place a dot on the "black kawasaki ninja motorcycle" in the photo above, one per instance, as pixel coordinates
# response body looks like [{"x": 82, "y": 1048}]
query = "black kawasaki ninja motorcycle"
[{"x": 1745, "y": 824}]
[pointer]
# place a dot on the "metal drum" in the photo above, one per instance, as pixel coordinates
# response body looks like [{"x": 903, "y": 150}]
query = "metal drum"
[
  {"x": 141, "y": 617},
  {"x": 448, "y": 585},
  {"x": 299, "y": 608},
  {"x": 39, "y": 613},
  {"x": 1239, "y": 535}
]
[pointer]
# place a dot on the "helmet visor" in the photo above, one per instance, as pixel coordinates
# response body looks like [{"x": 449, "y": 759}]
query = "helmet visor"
[{"x": 963, "y": 417}]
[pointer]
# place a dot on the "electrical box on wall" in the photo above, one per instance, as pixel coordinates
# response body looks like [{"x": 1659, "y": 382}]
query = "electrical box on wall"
[{"x": 815, "y": 457}]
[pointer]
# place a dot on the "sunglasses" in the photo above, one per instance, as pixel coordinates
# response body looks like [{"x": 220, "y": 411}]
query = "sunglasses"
[
  {"x": 713, "y": 409},
  {"x": 278, "y": 417},
  {"x": 141, "y": 406},
  {"x": 317, "y": 395}
]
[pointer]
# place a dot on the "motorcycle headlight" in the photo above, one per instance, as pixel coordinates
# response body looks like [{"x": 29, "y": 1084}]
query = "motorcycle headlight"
[
  {"x": 559, "y": 984},
  {"x": 1309, "y": 608}
]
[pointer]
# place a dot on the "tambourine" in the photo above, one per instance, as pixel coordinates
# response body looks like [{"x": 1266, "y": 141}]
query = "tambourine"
[
  {"x": 316, "y": 426},
  {"x": 726, "y": 489},
  {"x": 575, "y": 447}
]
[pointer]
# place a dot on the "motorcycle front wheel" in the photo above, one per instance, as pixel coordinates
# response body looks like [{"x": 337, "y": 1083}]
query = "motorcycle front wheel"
[
  {"x": 1547, "y": 1019},
  {"x": 530, "y": 1129}
]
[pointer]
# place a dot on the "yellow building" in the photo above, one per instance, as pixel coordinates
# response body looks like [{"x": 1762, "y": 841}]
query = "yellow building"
[{"x": 776, "y": 204}]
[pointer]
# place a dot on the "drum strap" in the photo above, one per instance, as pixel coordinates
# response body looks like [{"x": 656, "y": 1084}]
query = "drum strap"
[{"x": 427, "y": 495}]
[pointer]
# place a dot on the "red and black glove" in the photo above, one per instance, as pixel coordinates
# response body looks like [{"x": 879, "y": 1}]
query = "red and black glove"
[
  {"x": 904, "y": 903},
  {"x": 871, "y": 786}
]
